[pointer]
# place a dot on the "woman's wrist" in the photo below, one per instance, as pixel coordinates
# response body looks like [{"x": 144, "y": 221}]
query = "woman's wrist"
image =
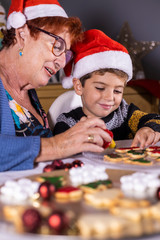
[{"x": 47, "y": 150}]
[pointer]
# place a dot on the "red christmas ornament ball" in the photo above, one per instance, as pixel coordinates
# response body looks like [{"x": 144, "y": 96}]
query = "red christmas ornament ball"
[
  {"x": 46, "y": 190},
  {"x": 67, "y": 166},
  {"x": 31, "y": 220},
  {"x": 58, "y": 221},
  {"x": 77, "y": 163},
  {"x": 58, "y": 164},
  {"x": 48, "y": 168},
  {"x": 158, "y": 193}
]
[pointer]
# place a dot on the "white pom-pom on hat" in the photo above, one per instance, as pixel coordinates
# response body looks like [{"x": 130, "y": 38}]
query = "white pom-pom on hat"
[
  {"x": 67, "y": 82},
  {"x": 16, "y": 20}
]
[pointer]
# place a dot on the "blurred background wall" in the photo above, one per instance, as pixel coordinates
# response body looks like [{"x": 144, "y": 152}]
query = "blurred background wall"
[{"x": 143, "y": 17}]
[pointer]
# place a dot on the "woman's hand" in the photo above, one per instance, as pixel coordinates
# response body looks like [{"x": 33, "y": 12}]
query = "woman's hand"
[
  {"x": 145, "y": 137},
  {"x": 86, "y": 135}
]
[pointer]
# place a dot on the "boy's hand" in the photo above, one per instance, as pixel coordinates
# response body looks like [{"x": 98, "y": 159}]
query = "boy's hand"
[{"x": 145, "y": 137}]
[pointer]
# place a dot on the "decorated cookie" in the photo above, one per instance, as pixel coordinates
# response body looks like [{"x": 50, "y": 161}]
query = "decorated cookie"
[
  {"x": 136, "y": 153},
  {"x": 152, "y": 148},
  {"x": 132, "y": 203},
  {"x": 133, "y": 214},
  {"x": 124, "y": 150},
  {"x": 139, "y": 161},
  {"x": 155, "y": 211},
  {"x": 57, "y": 181},
  {"x": 68, "y": 193},
  {"x": 104, "y": 199},
  {"x": 157, "y": 159},
  {"x": 101, "y": 225},
  {"x": 96, "y": 186},
  {"x": 114, "y": 157},
  {"x": 13, "y": 214},
  {"x": 154, "y": 153}
]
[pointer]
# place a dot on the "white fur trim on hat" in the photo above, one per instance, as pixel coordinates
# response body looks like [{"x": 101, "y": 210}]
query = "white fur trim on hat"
[
  {"x": 16, "y": 20},
  {"x": 108, "y": 59},
  {"x": 44, "y": 10}
]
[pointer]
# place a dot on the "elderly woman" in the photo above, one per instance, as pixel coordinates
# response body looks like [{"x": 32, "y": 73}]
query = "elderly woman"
[{"x": 36, "y": 45}]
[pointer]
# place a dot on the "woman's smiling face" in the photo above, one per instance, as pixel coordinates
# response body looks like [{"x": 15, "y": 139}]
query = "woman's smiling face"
[
  {"x": 38, "y": 61},
  {"x": 102, "y": 94}
]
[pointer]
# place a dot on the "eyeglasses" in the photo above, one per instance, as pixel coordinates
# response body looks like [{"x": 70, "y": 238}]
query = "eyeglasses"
[{"x": 59, "y": 46}]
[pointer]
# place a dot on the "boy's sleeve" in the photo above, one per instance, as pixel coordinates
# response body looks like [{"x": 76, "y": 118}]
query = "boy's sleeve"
[
  {"x": 64, "y": 122},
  {"x": 151, "y": 120},
  {"x": 60, "y": 127},
  {"x": 18, "y": 153},
  {"x": 138, "y": 119},
  {"x": 67, "y": 120}
]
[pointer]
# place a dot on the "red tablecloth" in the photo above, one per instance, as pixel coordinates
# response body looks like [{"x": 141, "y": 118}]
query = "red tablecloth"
[{"x": 153, "y": 86}]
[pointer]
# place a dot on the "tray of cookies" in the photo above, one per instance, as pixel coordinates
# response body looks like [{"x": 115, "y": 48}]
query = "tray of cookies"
[
  {"x": 82, "y": 201},
  {"x": 125, "y": 157}
]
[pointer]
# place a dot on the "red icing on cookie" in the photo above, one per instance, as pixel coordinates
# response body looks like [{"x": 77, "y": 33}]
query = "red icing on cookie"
[
  {"x": 67, "y": 189},
  {"x": 129, "y": 148},
  {"x": 154, "y": 147},
  {"x": 156, "y": 151}
]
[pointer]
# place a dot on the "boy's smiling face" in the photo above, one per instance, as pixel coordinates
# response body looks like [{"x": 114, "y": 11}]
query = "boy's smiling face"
[{"x": 101, "y": 94}]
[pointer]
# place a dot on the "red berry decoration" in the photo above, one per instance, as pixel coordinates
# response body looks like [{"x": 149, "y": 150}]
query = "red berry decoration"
[
  {"x": 77, "y": 163},
  {"x": 67, "y": 166},
  {"x": 58, "y": 164},
  {"x": 31, "y": 220},
  {"x": 46, "y": 190},
  {"x": 58, "y": 221},
  {"x": 106, "y": 144},
  {"x": 48, "y": 168},
  {"x": 158, "y": 193}
]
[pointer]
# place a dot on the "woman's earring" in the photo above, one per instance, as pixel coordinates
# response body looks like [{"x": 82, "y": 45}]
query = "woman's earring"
[{"x": 20, "y": 52}]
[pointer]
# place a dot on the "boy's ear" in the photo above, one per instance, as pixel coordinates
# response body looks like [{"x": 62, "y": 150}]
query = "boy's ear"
[{"x": 77, "y": 86}]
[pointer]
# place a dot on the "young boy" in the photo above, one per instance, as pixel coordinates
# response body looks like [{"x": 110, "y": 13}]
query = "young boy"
[{"x": 101, "y": 69}]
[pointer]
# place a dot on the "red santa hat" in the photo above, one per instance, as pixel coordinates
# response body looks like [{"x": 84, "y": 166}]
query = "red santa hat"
[
  {"x": 22, "y": 10},
  {"x": 97, "y": 51}
]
